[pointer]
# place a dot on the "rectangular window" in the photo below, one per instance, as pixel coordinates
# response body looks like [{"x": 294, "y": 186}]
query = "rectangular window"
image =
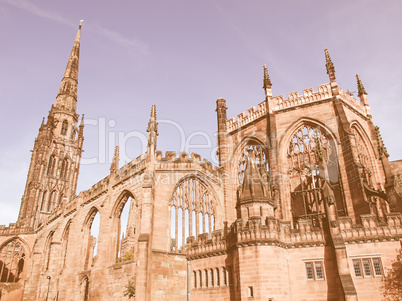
[
  {"x": 377, "y": 266},
  {"x": 318, "y": 270},
  {"x": 357, "y": 267},
  {"x": 250, "y": 292},
  {"x": 367, "y": 267},
  {"x": 309, "y": 270}
]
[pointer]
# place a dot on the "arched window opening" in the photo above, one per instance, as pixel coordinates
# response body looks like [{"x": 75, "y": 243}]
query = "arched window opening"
[
  {"x": 48, "y": 251},
  {"x": 64, "y": 169},
  {"x": 211, "y": 277},
  {"x": 217, "y": 277},
  {"x": 51, "y": 166},
  {"x": 192, "y": 212},
  {"x": 206, "y": 278},
  {"x": 12, "y": 259},
  {"x": 52, "y": 201},
  {"x": 64, "y": 128},
  {"x": 195, "y": 279},
  {"x": 84, "y": 289},
  {"x": 127, "y": 231},
  {"x": 45, "y": 200},
  {"x": 224, "y": 277},
  {"x": 92, "y": 244},
  {"x": 65, "y": 245},
  {"x": 261, "y": 160},
  {"x": 199, "y": 279},
  {"x": 308, "y": 146}
]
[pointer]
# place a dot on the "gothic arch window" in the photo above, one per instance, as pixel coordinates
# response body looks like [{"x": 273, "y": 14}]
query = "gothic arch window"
[
  {"x": 64, "y": 244},
  {"x": 261, "y": 159},
  {"x": 84, "y": 288},
  {"x": 192, "y": 212},
  {"x": 51, "y": 166},
  {"x": 307, "y": 146},
  {"x": 45, "y": 200},
  {"x": 64, "y": 168},
  {"x": 91, "y": 228},
  {"x": 48, "y": 251},
  {"x": 52, "y": 201},
  {"x": 127, "y": 220},
  {"x": 12, "y": 259},
  {"x": 364, "y": 158},
  {"x": 64, "y": 128}
]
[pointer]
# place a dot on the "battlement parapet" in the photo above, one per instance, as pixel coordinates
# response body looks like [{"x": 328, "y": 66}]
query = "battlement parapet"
[
  {"x": 130, "y": 169},
  {"x": 371, "y": 228},
  {"x": 294, "y": 99},
  {"x": 95, "y": 191},
  {"x": 171, "y": 161},
  {"x": 247, "y": 117},
  {"x": 13, "y": 229}
]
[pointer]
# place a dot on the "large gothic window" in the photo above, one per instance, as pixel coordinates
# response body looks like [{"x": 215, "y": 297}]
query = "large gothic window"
[
  {"x": 261, "y": 160},
  {"x": 91, "y": 237},
  {"x": 364, "y": 158},
  {"x": 192, "y": 212},
  {"x": 12, "y": 259},
  {"x": 127, "y": 228},
  {"x": 306, "y": 147}
]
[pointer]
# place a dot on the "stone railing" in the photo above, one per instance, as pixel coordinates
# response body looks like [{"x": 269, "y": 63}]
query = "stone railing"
[{"x": 12, "y": 229}]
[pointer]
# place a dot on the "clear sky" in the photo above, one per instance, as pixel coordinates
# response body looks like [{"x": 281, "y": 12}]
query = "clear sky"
[{"x": 182, "y": 56}]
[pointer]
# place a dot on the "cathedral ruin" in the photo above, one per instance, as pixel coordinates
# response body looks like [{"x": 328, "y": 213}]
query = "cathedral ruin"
[{"x": 304, "y": 205}]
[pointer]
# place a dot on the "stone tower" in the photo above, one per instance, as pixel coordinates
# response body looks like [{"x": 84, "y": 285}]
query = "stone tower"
[{"x": 55, "y": 161}]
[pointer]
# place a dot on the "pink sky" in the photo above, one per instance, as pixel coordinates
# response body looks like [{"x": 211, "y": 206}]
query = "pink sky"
[{"x": 182, "y": 56}]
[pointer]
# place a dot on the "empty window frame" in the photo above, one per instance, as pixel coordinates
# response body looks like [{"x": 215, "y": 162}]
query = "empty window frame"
[
  {"x": 315, "y": 270},
  {"x": 368, "y": 267}
]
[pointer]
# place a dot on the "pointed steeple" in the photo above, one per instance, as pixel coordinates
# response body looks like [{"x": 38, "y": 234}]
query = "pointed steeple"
[
  {"x": 360, "y": 86},
  {"x": 115, "y": 162},
  {"x": 267, "y": 83},
  {"x": 152, "y": 134},
  {"x": 330, "y": 67},
  {"x": 67, "y": 97}
]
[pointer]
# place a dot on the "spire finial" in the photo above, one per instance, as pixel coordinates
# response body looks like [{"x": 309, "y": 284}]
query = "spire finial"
[
  {"x": 67, "y": 97},
  {"x": 152, "y": 127},
  {"x": 267, "y": 82},
  {"x": 80, "y": 24},
  {"x": 360, "y": 87},
  {"x": 330, "y": 66},
  {"x": 381, "y": 147},
  {"x": 115, "y": 162}
]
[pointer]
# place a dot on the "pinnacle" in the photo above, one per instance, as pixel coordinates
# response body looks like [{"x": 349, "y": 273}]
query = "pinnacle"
[{"x": 360, "y": 87}]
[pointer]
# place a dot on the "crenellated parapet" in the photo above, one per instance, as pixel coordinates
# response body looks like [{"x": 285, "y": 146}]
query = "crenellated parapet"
[
  {"x": 183, "y": 161},
  {"x": 244, "y": 118},
  {"x": 13, "y": 229},
  {"x": 371, "y": 229}
]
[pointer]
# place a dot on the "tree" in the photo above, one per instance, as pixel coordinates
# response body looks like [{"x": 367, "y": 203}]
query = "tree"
[{"x": 392, "y": 282}]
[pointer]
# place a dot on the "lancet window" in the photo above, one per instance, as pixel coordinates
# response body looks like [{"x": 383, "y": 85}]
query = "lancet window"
[
  {"x": 261, "y": 160},
  {"x": 307, "y": 148},
  {"x": 192, "y": 212},
  {"x": 64, "y": 127},
  {"x": 45, "y": 199},
  {"x": 52, "y": 201},
  {"x": 51, "y": 166},
  {"x": 364, "y": 158},
  {"x": 12, "y": 259},
  {"x": 64, "y": 169},
  {"x": 127, "y": 229}
]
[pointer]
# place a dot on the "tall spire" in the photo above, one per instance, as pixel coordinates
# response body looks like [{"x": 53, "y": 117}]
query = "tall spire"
[
  {"x": 267, "y": 83},
  {"x": 115, "y": 163},
  {"x": 330, "y": 67},
  {"x": 67, "y": 97},
  {"x": 360, "y": 86},
  {"x": 152, "y": 134}
]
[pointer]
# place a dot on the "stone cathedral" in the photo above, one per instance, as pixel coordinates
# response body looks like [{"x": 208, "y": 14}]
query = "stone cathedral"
[{"x": 304, "y": 205}]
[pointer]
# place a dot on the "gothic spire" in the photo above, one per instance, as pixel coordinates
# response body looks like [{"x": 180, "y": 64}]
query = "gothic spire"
[
  {"x": 330, "y": 67},
  {"x": 267, "y": 82},
  {"x": 67, "y": 97},
  {"x": 115, "y": 163},
  {"x": 152, "y": 127},
  {"x": 382, "y": 150},
  {"x": 360, "y": 86}
]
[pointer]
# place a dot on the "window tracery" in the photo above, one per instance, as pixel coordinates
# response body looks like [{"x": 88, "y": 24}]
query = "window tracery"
[
  {"x": 64, "y": 128},
  {"x": 192, "y": 212},
  {"x": 261, "y": 160},
  {"x": 308, "y": 146},
  {"x": 12, "y": 259}
]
